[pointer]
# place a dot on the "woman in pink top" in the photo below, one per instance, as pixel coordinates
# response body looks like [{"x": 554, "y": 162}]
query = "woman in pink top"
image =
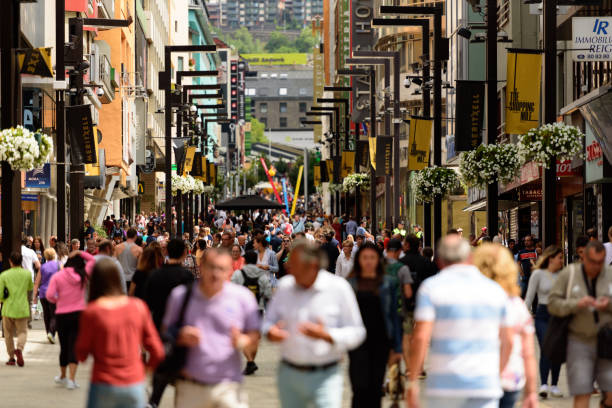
[{"x": 67, "y": 290}]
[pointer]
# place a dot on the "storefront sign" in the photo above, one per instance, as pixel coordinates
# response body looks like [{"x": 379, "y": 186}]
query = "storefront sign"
[
  {"x": 383, "y": 155},
  {"x": 36, "y": 61},
  {"x": 418, "y": 143},
  {"x": 362, "y": 38},
  {"x": 469, "y": 114},
  {"x": 565, "y": 169},
  {"x": 39, "y": 178},
  {"x": 592, "y": 38},
  {"x": 276, "y": 59},
  {"x": 529, "y": 172},
  {"x": 597, "y": 168},
  {"x": 476, "y": 194},
  {"x": 530, "y": 193},
  {"x": 523, "y": 90}
]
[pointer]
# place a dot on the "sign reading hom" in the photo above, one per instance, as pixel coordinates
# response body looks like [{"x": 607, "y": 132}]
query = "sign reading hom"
[{"x": 592, "y": 38}]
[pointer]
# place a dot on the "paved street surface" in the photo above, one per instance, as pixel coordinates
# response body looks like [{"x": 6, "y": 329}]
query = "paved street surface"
[{"x": 32, "y": 386}]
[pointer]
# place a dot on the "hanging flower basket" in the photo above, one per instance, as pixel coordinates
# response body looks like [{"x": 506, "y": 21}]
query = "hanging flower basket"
[
  {"x": 552, "y": 140},
  {"x": 198, "y": 187},
  {"x": 434, "y": 182},
  {"x": 333, "y": 187},
  {"x": 184, "y": 184},
  {"x": 352, "y": 181},
  {"x": 209, "y": 189},
  {"x": 489, "y": 164},
  {"x": 23, "y": 149}
]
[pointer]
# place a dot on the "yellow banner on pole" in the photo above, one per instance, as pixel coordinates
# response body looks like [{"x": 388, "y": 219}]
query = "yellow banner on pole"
[
  {"x": 372, "y": 149},
  {"x": 189, "y": 159},
  {"x": 297, "y": 190},
  {"x": 523, "y": 89},
  {"x": 317, "y": 176},
  {"x": 348, "y": 163},
  {"x": 330, "y": 169},
  {"x": 418, "y": 143},
  {"x": 205, "y": 170},
  {"x": 94, "y": 169}
]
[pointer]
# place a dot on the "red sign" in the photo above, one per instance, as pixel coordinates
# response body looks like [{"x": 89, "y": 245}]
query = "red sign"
[
  {"x": 594, "y": 153},
  {"x": 564, "y": 169}
]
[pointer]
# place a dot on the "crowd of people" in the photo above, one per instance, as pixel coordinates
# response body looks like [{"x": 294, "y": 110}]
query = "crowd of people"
[{"x": 188, "y": 308}]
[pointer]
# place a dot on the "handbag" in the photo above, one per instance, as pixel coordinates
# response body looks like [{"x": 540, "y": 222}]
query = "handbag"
[
  {"x": 176, "y": 356},
  {"x": 554, "y": 345}
]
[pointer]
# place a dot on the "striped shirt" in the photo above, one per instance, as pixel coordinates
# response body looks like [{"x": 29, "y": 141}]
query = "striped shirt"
[{"x": 467, "y": 310}]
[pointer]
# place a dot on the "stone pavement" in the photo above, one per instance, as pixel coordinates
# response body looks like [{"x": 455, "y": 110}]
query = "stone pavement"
[{"x": 32, "y": 386}]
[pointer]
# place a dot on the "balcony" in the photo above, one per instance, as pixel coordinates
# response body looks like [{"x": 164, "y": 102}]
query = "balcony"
[{"x": 106, "y": 79}]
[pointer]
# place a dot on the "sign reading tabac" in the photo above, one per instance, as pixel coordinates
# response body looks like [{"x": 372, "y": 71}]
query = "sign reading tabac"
[{"x": 524, "y": 77}]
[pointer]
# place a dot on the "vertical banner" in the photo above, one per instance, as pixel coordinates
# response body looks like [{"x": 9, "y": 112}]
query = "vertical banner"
[
  {"x": 196, "y": 170},
  {"x": 419, "y": 142},
  {"x": 205, "y": 172},
  {"x": 296, "y": 193},
  {"x": 323, "y": 171},
  {"x": 523, "y": 88},
  {"x": 81, "y": 129},
  {"x": 363, "y": 38},
  {"x": 317, "y": 175},
  {"x": 362, "y": 148},
  {"x": 189, "y": 155},
  {"x": 348, "y": 163},
  {"x": 94, "y": 169},
  {"x": 330, "y": 170},
  {"x": 469, "y": 115},
  {"x": 383, "y": 155},
  {"x": 317, "y": 86}
]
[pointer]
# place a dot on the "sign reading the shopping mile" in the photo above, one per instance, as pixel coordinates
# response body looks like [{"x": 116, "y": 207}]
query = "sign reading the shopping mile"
[
  {"x": 383, "y": 155},
  {"x": 524, "y": 76},
  {"x": 469, "y": 114},
  {"x": 82, "y": 142},
  {"x": 363, "y": 39}
]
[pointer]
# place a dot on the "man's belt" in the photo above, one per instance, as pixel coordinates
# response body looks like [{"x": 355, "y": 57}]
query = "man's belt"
[{"x": 310, "y": 368}]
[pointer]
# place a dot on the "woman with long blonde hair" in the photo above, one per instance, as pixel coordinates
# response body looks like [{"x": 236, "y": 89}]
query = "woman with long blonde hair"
[{"x": 496, "y": 263}]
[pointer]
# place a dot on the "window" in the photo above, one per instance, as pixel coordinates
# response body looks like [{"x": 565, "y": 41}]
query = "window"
[
  {"x": 283, "y": 122},
  {"x": 282, "y": 91},
  {"x": 283, "y": 107},
  {"x": 263, "y": 107},
  {"x": 180, "y": 63},
  {"x": 251, "y": 91},
  {"x": 303, "y": 106}
]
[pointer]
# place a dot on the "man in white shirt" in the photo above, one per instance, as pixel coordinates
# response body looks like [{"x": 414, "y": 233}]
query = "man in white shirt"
[
  {"x": 30, "y": 259},
  {"x": 608, "y": 246},
  {"x": 315, "y": 317}
]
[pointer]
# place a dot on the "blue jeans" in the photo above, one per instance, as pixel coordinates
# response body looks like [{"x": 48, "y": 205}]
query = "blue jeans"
[
  {"x": 509, "y": 399},
  {"x": 459, "y": 402},
  {"x": 115, "y": 396},
  {"x": 541, "y": 324},
  {"x": 303, "y": 389}
]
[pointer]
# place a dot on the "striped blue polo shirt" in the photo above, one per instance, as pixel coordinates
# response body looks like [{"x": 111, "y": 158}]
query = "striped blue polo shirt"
[{"x": 467, "y": 310}]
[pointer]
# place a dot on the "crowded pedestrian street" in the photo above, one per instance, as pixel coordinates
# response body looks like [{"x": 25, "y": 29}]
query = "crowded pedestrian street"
[
  {"x": 306, "y": 203},
  {"x": 33, "y": 382}
]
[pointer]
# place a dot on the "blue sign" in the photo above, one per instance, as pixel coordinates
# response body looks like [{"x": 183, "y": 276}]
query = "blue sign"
[
  {"x": 29, "y": 197},
  {"x": 39, "y": 178}
]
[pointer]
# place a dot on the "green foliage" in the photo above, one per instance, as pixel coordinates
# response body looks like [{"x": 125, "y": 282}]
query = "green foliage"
[
  {"x": 258, "y": 132},
  {"x": 305, "y": 41},
  {"x": 280, "y": 43},
  {"x": 100, "y": 230},
  {"x": 242, "y": 40}
]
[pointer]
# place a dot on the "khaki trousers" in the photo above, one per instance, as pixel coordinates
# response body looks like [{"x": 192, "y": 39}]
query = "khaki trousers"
[
  {"x": 222, "y": 395},
  {"x": 12, "y": 326}
]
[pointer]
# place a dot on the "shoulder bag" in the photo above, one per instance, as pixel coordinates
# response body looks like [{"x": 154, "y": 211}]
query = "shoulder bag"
[
  {"x": 176, "y": 356},
  {"x": 554, "y": 345}
]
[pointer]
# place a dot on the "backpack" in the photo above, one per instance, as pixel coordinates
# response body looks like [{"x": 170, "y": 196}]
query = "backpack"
[
  {"x": 392, "y": 271},
  {"x": 252, "y": 284}
]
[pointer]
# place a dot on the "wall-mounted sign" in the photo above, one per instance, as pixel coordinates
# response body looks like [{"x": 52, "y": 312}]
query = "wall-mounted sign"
[
  {"x": 39, "y": 178},
  {"x": 530, "y": 193},
  {"x": 597, "y": 168},
  {"x": 592, "y": 38}
]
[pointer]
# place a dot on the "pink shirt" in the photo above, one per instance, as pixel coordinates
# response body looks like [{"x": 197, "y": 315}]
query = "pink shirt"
[{"x": 65, "y": 289}]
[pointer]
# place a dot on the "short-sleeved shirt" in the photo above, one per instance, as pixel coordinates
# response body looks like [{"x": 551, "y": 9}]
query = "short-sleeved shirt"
[
  {"x": 17, "y": 282},
  {"x": 513, "y": 376},
  {"x": 467, "y": 310},
  {"x": 215, "y": 359},
  {"x": 525, "y": 257}
]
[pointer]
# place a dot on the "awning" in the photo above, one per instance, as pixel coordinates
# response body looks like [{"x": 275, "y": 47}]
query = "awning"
[{"x": 479, "y": 206}]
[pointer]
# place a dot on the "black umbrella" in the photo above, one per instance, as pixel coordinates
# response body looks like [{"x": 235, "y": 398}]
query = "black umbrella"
[{"x": 248, "y": 202}]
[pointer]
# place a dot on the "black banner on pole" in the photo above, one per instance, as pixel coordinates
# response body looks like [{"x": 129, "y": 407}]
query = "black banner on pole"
[
  {"x": 196, "y": 168},
  {"x": 82, "y": 140},
  {"x": 363, "y": 154},
  {"x": 469, "y": 114},
  {"x": 384, "y": 156},
  {"x": 324, "y": 173}
]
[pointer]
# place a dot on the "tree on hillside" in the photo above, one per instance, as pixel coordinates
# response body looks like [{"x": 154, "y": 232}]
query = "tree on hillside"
[
  {"x": 242, "y": 40},
  {"x": 258, "y": 131},
  {"x": 277, "y": 41},
  {"x": 305, "y": 41}
]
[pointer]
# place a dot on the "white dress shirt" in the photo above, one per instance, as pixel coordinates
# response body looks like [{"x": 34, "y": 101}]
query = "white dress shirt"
[
  {"x": 344, "y": 266},
  {"x": 330, "y": 300},
  {"x": 29, "y": 258}
]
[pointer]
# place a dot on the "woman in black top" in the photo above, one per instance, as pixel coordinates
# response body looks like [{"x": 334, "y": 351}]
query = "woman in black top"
[
  {"x": 378, "y": 302},
  {"x": 152, "y": 258}
]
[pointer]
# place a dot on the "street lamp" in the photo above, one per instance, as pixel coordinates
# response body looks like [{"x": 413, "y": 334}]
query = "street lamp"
[{"x": 436, "y": 11}]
